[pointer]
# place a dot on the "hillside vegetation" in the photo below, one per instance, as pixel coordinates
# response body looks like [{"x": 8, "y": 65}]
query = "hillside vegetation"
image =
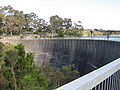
[
  {"x": 18, "y": 71},
  {"x": 15, "y": 22}
]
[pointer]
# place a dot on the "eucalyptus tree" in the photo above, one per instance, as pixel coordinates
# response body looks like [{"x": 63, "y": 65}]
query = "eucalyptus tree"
[
  {"x": 37, "y": 24},
  {"x": 56, "y": 23},
  {"x": 13, "y": 20},
  {"x": 1, "y": 21},
  {"x": 28, "y": 21},
  {"x": 78, "y": 25},
  {"x": 67, "y": 23}
]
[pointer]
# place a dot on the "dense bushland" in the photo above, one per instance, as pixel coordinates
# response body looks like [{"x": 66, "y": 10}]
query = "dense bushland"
[{"x": 18, "y": 71}]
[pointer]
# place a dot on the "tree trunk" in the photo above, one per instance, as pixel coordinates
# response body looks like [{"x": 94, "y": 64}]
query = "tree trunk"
[{"x": 15, "y": 84}]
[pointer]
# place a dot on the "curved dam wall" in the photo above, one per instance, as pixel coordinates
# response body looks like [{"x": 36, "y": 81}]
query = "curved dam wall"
[{"x": 87, "y": 55}]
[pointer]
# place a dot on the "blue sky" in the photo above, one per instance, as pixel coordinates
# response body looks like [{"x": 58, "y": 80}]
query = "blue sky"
[{"x": 103, "y": 14}]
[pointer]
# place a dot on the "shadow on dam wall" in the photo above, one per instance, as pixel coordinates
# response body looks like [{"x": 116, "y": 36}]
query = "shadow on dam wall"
[{"x": 87, "y": 55}]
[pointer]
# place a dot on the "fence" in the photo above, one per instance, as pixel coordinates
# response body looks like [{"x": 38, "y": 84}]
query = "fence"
[{"x": 104, "y": 78}]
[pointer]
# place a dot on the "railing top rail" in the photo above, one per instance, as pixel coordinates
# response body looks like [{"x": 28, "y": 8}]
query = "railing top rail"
[{"x": 94, "y": 78}]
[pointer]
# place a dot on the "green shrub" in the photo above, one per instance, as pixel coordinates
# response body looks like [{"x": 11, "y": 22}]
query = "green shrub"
[
  {"x": 36, "y": 36},
  {"x": 22, "y": 36},
  {"x": 1, "y": 37}
]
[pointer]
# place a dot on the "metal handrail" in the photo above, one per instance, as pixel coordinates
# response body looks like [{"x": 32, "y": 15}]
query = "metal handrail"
[{"x": 97, "y": 79}]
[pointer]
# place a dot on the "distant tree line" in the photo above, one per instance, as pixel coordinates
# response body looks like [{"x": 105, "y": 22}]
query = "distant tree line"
[{"x": 15, "y": 22}]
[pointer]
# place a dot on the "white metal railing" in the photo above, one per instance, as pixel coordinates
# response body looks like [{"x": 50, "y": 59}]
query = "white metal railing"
[{"x": 104, "y": 78}]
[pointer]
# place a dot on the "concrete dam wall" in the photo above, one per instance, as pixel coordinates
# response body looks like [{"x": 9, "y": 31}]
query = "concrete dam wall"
[{"x": 87, "y": 55}]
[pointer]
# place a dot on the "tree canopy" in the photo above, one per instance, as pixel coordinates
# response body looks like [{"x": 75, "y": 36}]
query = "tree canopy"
[{"x": 15, "y": 22}]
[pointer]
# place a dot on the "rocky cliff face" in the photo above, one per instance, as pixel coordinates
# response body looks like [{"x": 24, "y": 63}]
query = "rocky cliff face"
[{"x": 87, "y": 55}]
